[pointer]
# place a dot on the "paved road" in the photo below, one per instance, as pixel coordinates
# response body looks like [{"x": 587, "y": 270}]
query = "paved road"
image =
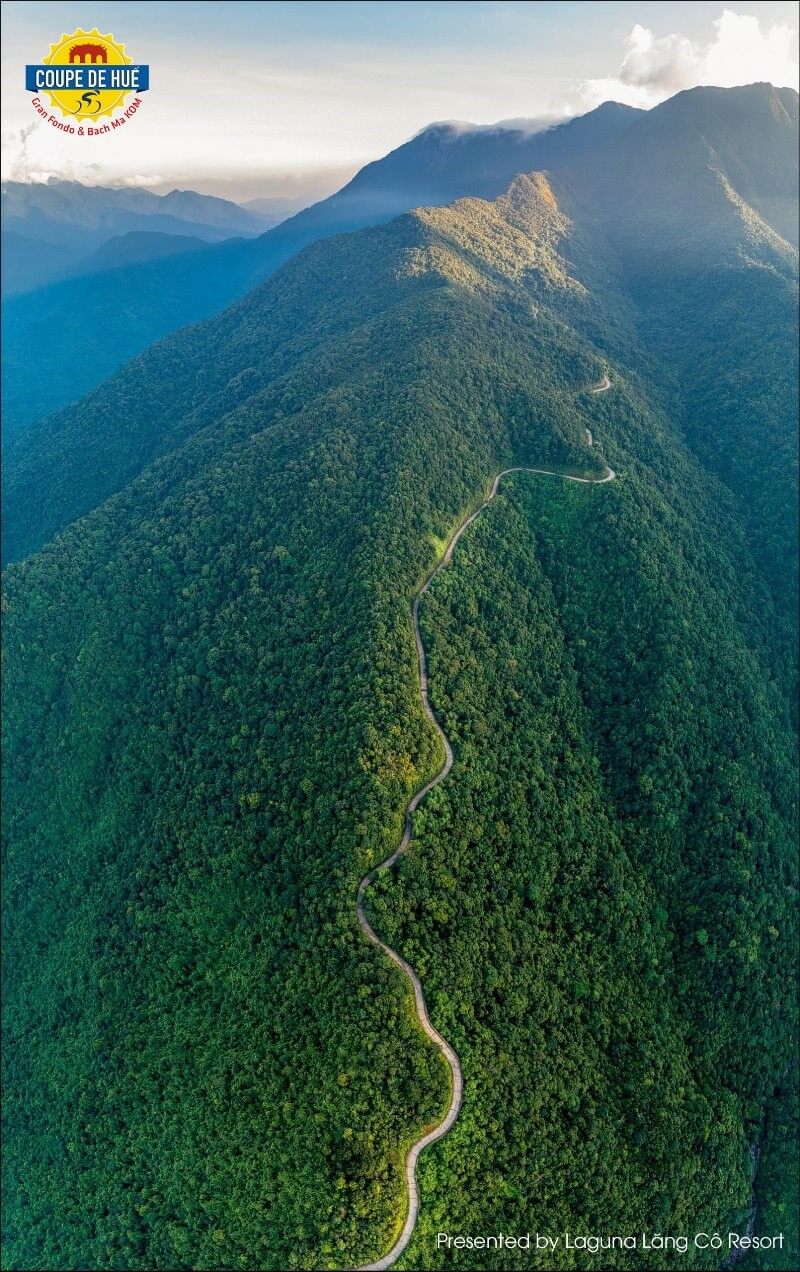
[{"x": 447, "y": 1051}]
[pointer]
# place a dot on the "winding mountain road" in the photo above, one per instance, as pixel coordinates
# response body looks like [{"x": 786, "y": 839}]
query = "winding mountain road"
[{"x": 436, "y": 1132}]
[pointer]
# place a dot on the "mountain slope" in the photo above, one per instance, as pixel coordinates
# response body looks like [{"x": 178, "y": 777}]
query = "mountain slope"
[
  {"x": 24, "y": 258},
  {"x": 136, "y": 246},
  {"x": 714, "y": 289},
  {"x": 336, "y": 459},
  {"x": 570, "y": 896},
  {"x": 447, "y": 161},
  {"x": 689, "y": 180},
  {"x": 274, "y": 208},
  {"x": 29, "y": 262},
  {"x": 752, "y": 130},
  {"x": 213, "y": 725},
  {"x": 52, "y": 479},
  {"x": 47, "y": 362}
]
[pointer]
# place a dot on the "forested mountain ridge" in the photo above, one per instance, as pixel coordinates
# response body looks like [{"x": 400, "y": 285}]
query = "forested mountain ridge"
[
  {"x": 752, "y": 130},
  {"x": 213, "y": 725},
  {"x": 46, "y": 362},
  {"x": 696, "y": 186},
  {"x": 55, "y": 477},
  {"x": 338, "y": 456},
  {"x": 692, "y": 256}
]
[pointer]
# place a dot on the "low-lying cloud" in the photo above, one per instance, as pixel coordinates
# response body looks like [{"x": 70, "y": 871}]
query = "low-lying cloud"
[
  {"x": 15, "y": 146},
  {"x": 741, "y": 51},
  {"x": 528, "y": 127}
]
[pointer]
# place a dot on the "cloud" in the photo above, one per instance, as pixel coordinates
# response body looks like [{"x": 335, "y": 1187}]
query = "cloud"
[
  {"x": 90, "y": 174},
  {"x": 740, "y": 52},
  {"x": 15, "y": 146},
  {"x": 139, "y": 179},
  {"x": 662, "y": 65},
  {"x": 743, "y": 53},
  {"x": 453, "y": 128}
]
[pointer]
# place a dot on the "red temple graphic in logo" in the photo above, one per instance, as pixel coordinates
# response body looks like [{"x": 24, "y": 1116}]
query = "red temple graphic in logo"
[{"x": 90, "y": 53}]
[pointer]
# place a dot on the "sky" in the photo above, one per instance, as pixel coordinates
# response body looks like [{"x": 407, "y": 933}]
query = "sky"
[{"x": 289, "y": 99}]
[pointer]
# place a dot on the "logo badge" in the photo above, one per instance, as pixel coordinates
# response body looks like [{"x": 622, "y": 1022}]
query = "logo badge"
[{"x": 87, "y": 75}]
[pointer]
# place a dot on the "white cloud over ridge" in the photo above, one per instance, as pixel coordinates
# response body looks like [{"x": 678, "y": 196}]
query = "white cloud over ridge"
[
  {"x": 307, "y": 115},
  {"x": 461, "y": 127},
  {"x": 740, "y": 52}
]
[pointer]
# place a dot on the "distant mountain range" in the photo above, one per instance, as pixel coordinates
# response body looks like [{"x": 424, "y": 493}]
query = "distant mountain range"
[
  {"x": 69, "y": 214},
  {"x": 274, "y": 208},
  {"x": 440, "y": 164},
  {"x": 27, "y": 260},
  {"x": 51, "y": 228}
]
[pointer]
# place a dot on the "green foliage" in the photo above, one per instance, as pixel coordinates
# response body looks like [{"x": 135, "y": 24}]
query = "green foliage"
[
  {"x": 223, "y": 730},
  {"x": 777, "y": 1207},
  {"x": 580, "y": 899}
]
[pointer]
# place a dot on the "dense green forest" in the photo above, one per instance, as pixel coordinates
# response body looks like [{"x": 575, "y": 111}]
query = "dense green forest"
[
  {"x": 580, "y": 899},
  {"x": 237, "y": 669},
  {"x": 212, "y": 726},
  {"x": 775, "y": 1185}
]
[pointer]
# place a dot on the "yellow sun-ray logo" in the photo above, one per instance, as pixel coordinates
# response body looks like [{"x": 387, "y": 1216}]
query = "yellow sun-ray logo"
[{"x": 87, "y": 75}]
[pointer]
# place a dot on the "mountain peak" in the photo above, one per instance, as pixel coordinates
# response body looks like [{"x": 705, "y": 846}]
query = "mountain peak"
[{"x": 740, "y": 99}]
